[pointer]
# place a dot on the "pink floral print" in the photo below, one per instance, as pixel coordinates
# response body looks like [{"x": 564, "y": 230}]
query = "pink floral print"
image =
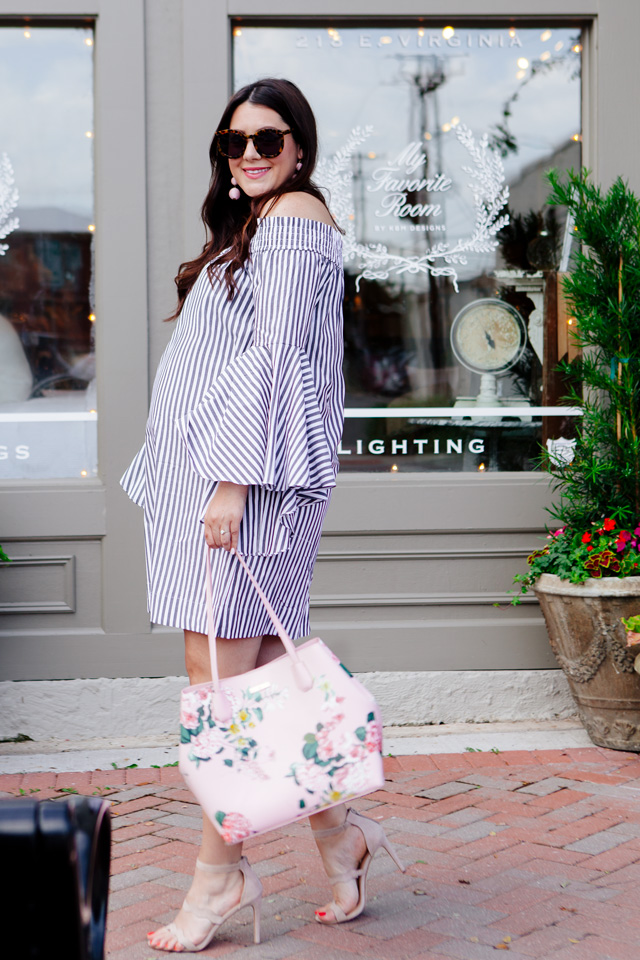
[
  {"x": 335, "y": 759},
  {"x": 188, "y": 718},
  {"x": 373, "y": 736},
  {"x": 207, "y": 743},
  {"x": 310, "y": 776},
  {"x": 234, "y": 741},
  {"x": 234, "y": 827}
]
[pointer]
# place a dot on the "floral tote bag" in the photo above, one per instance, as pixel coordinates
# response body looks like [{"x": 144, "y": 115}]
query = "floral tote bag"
[{"x": 297, "y": 735}]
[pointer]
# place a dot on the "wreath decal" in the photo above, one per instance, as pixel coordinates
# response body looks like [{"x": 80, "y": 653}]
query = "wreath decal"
[
  {"x": 8, "y": 202},
  {"x": 490, "y": 195}
]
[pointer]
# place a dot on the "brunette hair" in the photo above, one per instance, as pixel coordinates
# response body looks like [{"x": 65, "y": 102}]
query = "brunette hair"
[{"x": 231, "y": 224}]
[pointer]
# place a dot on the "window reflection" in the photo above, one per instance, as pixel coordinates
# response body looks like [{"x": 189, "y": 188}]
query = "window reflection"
[
  {"x": 430, "y": 229},
  {"x": 47, "y": 366}
]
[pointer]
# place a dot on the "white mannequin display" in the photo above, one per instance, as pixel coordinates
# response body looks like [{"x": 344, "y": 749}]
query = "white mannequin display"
[{"x": 16, "y": 379}]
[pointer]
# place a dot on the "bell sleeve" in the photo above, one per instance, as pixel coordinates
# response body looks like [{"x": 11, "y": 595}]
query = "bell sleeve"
[
  {"x": 260, "y": 422},
  {"x": 133, "y": 480}
]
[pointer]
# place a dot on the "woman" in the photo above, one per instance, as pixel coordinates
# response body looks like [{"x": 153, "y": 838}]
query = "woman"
[{"x": 243, "y": 432}]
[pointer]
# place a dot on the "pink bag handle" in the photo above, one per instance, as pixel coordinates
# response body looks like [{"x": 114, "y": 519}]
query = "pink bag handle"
[{"x": 220, "y": 703}]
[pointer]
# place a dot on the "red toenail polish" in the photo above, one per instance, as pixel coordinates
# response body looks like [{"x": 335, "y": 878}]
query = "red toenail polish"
[{"x": 321, "y": 913}]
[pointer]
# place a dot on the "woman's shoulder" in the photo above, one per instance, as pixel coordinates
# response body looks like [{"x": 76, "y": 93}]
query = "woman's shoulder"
[
  {"x": 298, "y": 221},
  {"x": 302, "y": 205}
]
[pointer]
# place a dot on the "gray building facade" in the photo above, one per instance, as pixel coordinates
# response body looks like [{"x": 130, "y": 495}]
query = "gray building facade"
[{"x": 437, "y": 504}]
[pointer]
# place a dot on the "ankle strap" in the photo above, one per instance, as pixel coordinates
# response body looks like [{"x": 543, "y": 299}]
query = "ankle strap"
[
  {"x": 221, "y": 867},
  {"x": 331, "y": 831}
]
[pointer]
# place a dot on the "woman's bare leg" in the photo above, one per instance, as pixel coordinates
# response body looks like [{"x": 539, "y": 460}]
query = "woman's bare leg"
[
  {"x": 215, "y": 892},
  {"x": 341, "y": 852},
  {"x": 271, "y": 648}
]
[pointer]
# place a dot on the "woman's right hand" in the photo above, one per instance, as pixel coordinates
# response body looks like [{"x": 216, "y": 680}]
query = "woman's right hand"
[{"x": 224, "y": 514}]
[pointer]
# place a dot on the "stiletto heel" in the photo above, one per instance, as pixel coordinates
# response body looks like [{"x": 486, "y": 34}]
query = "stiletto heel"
[
  {"x": 388, "y": 846},
  {"x": 256, "y": 920},
  {"x": 251, "y": 897},
  {"x": 374, "y": 837}
]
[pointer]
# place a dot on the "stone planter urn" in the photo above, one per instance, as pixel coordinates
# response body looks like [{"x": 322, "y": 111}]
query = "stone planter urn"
[{"x": 589, "y": 642}]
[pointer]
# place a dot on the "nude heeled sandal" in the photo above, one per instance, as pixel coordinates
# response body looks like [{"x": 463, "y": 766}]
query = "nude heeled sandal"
[
  {"x": 251, "y": 897},
  {"x": 374, "y": 837}
]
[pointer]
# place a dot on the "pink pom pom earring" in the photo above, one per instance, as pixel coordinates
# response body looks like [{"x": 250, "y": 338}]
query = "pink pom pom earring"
[
  {"x": 234, "y": 193},
  {"x": 299, "y": 165}
]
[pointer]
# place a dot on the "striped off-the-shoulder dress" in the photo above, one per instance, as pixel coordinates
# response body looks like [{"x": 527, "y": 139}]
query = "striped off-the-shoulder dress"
[{"x": 249, "y": 390}]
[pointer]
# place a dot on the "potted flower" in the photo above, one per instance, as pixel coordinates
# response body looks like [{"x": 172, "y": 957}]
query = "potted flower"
[
  {"x": 587, "y": 575},
  {"x": 632, "y": 626}
]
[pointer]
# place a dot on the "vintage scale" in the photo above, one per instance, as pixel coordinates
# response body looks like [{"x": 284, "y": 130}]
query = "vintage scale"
[{"x": 488, "y": 337}]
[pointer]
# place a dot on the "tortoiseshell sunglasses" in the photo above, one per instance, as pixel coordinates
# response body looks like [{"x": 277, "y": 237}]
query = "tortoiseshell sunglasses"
[{"x": 268, "y": 142}]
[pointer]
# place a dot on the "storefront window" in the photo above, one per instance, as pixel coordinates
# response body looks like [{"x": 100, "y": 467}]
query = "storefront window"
[
  {"x": 47, "y": 362},
  {"x": 434, "y": 145}
]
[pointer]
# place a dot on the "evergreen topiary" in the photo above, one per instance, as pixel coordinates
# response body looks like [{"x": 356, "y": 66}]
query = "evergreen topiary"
[
  {"x": 598, "y": 510},
  {"x": 603, "y": 479}
]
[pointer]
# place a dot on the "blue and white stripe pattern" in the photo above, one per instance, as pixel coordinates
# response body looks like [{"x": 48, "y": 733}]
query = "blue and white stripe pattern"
[{"x": 248, "y": 391}]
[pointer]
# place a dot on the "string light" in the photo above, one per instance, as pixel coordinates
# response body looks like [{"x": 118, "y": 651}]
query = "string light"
[
  {"x": 523, "y": 63},
  {"x": 448, "y": 32},
  {"x": 394, "y": 468},
  {"x": 512, "y": 32},
  {"x": 27, "y": 34},
  {"x": 83, "y": 473},
  {"x": 455, "y": 121},
  {"x": 521, "y": 74},
  {"x": 446, "y": 127},
  {"x": 92, "y": 318},
  {"x": 545, "y": 55},
  {"x": 482, "y": 467},
  {"x": 372, "y": 154},
  {"x": 88, "y": 41},
  {"x": 420, "y": 31},
  {"x": 427, "y": 136},
  {"x": 89, "y": 134},
  {"x": 385, "y": 40},
  {"x": 93, "y": 411},
  {"x": 91, "y": 228},
  {"x": 545, "y": 36},
  {"x": 237, "y": 32},
  {"x": 577, "y": 48},
  {"x": 577, "y": 137},
  {"x": 559, "y": 45}
]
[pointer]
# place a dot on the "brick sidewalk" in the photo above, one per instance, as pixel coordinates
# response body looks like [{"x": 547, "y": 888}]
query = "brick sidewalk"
[{"x": 537, "y": 853}]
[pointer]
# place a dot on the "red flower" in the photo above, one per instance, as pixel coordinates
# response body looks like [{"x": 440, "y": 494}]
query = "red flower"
[
  {"x": 589, "y": 548},
  {"x": 609, "y": 524},
  {"x": 586, "y": 538}
]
